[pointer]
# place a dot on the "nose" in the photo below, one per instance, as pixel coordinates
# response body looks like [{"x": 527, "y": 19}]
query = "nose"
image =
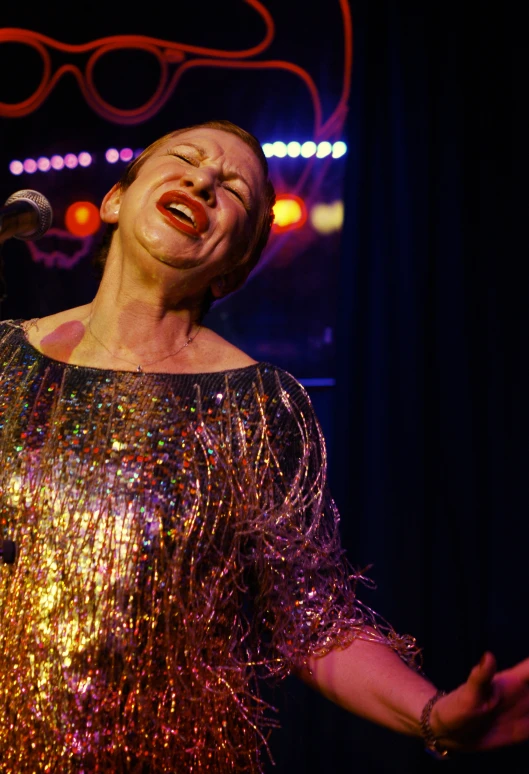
[{"x": 201, "y": 181}]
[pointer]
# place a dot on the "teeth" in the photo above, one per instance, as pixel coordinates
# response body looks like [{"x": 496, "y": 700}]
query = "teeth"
[{"x": 185, "y": 210}]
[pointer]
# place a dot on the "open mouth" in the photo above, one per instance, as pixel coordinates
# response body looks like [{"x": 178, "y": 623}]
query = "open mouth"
[{"x": 184, "y": 212}]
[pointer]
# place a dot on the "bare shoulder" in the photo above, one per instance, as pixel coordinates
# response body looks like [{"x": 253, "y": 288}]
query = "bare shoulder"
[
  {"x": 59, "y": 324},
  {"x": 218, "y": 354}
]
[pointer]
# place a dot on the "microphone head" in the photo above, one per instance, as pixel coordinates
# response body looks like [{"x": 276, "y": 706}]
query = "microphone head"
[{"x": 42, "y": 209}]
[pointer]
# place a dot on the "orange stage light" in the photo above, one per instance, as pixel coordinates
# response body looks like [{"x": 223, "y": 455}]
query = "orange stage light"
[
  {"x": 82, "y": 219},
  {"x": 289, "y": 212}
]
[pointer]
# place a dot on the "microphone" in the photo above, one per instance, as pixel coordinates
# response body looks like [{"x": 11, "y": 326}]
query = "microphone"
[{"x": 26, "y": 214}]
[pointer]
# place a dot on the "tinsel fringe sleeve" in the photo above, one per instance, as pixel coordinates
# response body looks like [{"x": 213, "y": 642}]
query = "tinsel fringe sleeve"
[{"x": 307, "y": 601}]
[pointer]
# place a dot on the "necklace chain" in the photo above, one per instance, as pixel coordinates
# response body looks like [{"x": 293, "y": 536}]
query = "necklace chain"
[{"x": 139, "y": 367}]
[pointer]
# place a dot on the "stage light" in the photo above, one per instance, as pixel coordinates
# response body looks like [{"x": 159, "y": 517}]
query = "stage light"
[
  {"x": 85, "y": 159},
  {"x": 82, "y": 219},
  {"x": 326, "y": 218},
  {"x": 30, "y": 166},
  {"x": 308, "y": 149},
  {"x": 293, "y": 149},
  {"x": 280, "y": 150},
  {"x": 112, "y": 155},
  {"x": 43, "y": 164},
  {"x": 339, "y": 149},
  {"x": 71, "y": 160},
  {"x": 16, "y": 167},
  {"x": 324, "y": 149},
  {"x": 289, "y": 212}
]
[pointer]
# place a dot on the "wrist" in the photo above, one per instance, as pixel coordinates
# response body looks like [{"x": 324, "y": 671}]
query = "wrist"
[{"x": 430, "y": 728}]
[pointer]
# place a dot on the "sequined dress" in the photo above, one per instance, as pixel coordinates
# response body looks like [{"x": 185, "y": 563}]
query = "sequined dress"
[{"x": 176, "y": 544}]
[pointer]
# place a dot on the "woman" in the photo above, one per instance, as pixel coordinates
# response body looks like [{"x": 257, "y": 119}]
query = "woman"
[{"x": 176, "y": 541}]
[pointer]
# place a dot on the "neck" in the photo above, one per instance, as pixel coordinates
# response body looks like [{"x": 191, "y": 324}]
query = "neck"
[{"x": 140, "y": 320}]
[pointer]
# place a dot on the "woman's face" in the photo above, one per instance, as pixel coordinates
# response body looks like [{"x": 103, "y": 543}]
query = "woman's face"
[{"x": 192, "y": 208}]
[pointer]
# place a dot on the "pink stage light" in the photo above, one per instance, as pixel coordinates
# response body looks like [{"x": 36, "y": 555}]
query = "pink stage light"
[
  {"x": 71, "y": 160},
  {"x": 43, "y": 164},
  {"x": 112, "y": 155},
  {"x": 16, "y": 167},
  {"x": 57, "y": 162},
  {"x": 30, "y": 166},
  {"x": 85, "y": 159}
]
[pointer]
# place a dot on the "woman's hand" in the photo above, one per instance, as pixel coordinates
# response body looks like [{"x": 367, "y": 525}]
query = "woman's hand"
[{"x": 491, "y": 709}]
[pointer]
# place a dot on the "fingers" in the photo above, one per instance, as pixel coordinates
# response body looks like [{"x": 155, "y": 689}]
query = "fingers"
[
  {"x": 522, "y": 670},
  {"x": 481, "y": 675}
]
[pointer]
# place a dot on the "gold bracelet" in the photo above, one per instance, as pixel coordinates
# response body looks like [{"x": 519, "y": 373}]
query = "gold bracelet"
[{"x": 430, "y": 742}]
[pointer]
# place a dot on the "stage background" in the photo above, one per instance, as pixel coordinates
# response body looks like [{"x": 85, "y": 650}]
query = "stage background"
[{"x": 409, "y": 327}]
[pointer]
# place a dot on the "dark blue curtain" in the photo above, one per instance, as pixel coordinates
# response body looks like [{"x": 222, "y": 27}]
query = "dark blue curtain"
[{"x": 429, "y": 453}]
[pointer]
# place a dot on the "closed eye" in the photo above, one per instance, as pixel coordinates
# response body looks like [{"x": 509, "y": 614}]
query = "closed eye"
[
  {"x": 235, "y": 192},
  {"x": 239, "y": 196},
  {"x": 184, "y": 158}
]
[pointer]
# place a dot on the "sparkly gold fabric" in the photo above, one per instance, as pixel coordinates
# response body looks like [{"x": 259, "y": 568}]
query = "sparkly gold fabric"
[{"x": 176, "y": 545}]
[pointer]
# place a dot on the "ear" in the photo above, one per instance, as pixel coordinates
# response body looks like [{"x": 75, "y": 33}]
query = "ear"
[
  {"x": 226, "y": 283},
  {"x": 110, "y": 205}
]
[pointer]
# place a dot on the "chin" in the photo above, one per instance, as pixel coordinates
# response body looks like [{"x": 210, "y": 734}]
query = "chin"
[{"x": 177, "y": 263}]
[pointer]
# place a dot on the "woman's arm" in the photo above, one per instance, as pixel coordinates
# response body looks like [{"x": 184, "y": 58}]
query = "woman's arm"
[
  {"x": 491, "y": 709},
  {"x": 370, "y": 680}
]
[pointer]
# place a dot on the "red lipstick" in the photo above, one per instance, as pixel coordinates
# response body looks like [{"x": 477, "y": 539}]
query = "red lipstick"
[{"x": 194, "y": 224}]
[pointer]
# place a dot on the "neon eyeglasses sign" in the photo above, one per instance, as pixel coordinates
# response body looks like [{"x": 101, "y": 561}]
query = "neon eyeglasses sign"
[{"x": 174, "y": 60}]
